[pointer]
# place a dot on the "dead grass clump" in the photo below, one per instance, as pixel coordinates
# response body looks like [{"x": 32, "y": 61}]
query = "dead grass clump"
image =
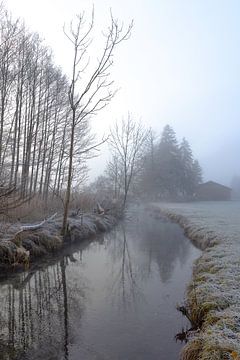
[
  {"x": 34, "y": 249},
  {"x": 47, "y": 241},
  {"x": 192, "y": 350},
  {"x": 32, "y": 240},
  {"x": 23, "y": 235},
  {"x": 79, "y": 230},
  {"x": 205, "y": 347},
  {"x": 89, "y": 231},
  {"x": 75, "y": 235},
  {"x": 214, "y": 350},
  {"x": 212, "y": 318},
  {"x": 8, "y": 252},
  {"x": 38, "y": 243},
  {"x": 200, "y": 310},
  {"x": 22, "y": 257}
]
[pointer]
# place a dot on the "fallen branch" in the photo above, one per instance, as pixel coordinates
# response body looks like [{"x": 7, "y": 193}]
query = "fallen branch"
[
  {"x": 16, "y": 238},
  {"x": 36, "y": 226}
]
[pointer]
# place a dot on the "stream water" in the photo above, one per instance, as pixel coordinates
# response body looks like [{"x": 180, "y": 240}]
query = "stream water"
[{"x": 111, "y": 299}]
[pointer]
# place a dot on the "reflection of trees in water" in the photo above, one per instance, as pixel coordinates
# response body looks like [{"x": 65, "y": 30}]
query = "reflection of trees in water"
[
  {"x": 40, "y": 312},
  {"x": 36, "y": 312},
  {"x": 124, "y": 275},
  {"x": 162, "y": 242}
]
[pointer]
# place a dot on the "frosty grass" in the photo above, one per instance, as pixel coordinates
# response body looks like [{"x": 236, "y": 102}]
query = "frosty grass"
[{"x": 214, "y": 227}]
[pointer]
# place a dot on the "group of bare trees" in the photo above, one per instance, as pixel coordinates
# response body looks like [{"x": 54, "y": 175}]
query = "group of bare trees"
[
  {"x": 44, "y": 117},
  {"x": 34, "y": 113}
]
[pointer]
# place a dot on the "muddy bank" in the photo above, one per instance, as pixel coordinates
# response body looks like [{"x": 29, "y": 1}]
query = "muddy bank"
[
  {"x": 213, "y": 300},
  {"x": 18, "y": 249}
]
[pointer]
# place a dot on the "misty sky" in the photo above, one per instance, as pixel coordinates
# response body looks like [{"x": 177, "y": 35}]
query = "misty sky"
[{"x": 181, "y": 67}]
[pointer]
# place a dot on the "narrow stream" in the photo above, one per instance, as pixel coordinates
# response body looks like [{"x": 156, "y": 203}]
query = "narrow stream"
[{"x": 112, "y": 299}]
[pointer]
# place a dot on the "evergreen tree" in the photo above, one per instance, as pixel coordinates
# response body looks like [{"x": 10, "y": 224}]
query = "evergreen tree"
[
  {"x": 187, "y": 180},
  {"x": 170, "y": 171},
  {"x": 169, "y": 164},
  {"x": 197, "y": 173}
]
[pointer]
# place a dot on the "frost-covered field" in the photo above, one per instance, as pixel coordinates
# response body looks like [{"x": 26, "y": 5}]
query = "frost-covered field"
[{"x": 215, "y": 288}]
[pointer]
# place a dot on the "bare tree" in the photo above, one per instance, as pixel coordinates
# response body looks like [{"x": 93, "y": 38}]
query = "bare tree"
[
  {"x": 113, "y": 172},
  {"x": 127, "y": 142},
  {"x": 97, "y": 90}
]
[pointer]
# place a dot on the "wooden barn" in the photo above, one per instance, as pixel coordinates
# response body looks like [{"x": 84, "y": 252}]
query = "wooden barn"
[{"x": 212, "y": 191}]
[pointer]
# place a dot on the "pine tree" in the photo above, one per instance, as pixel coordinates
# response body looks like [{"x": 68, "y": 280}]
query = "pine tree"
[
  {"x": 197, "y": 173},
  {"x": 169, "y": 164},
  {"x": 187, "y": 177}
]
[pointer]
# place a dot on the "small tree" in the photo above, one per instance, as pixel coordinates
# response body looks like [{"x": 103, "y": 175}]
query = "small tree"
[
  {"x": 127, "y": 143},
  {"x": 97, "y": 91}
]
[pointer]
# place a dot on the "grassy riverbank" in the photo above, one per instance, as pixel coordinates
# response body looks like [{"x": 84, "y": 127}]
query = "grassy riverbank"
[
  {"x": 18, "y": 249},
  {"x": 213, "y": 297}
]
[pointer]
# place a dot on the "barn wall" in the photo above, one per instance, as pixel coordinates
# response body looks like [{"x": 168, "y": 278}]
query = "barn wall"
[{"x": 213, "y": 192}]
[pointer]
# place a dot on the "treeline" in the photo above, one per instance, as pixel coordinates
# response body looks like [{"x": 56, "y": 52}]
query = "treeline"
[
  {"x": 170, "y": 170},
  {"x": 34, "y": 114},
  {"x": 146, "y": 166}
]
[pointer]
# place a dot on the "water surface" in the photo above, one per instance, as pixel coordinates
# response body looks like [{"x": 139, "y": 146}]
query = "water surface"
[{"x": 114, "y": 298}]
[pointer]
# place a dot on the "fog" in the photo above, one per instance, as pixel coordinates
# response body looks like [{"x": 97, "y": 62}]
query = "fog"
[{"x": 180, "y": 67}]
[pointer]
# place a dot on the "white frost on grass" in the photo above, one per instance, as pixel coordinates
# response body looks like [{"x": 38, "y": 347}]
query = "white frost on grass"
[{"x": 215, "y": 227}]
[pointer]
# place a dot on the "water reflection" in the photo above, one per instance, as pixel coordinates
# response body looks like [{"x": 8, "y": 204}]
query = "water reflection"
[
  {"x": 124, "y": 288},
  {"x": 137, "y": 247},
  {"x": 35, "y": 313},
  {"x": 112, "y": 299},
  {"x": 162, "y": 242}
]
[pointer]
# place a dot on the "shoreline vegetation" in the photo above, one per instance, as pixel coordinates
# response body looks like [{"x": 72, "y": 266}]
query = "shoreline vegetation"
[
  {"x": 212, "y": 298},
  {"x": 20, "y": 245}
]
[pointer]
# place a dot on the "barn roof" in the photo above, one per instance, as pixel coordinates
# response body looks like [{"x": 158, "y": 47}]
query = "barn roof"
[{"x": 214, "y": 184}]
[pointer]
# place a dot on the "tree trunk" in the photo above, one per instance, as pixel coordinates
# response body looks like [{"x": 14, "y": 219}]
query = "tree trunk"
[{"x": 69, "y": 180}]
